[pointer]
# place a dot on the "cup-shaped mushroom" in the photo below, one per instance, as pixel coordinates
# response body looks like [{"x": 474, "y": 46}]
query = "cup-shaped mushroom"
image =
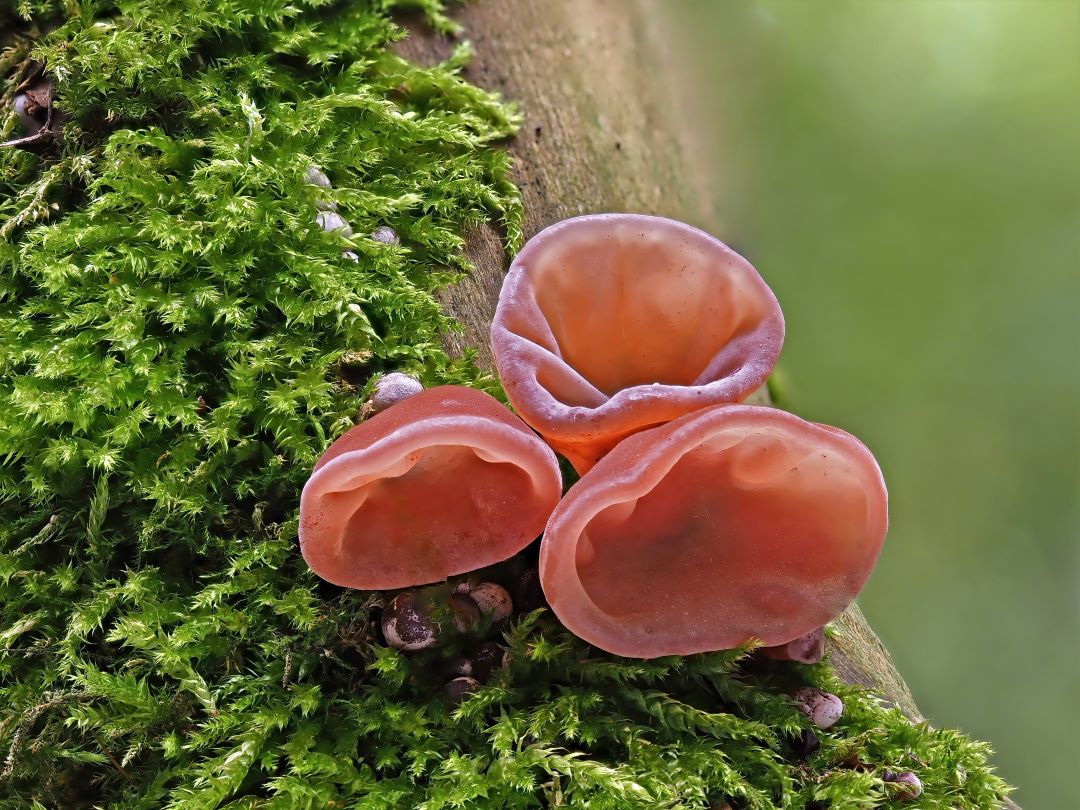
[
  {"x": 729, "y": 524},
  {"x": 612, "y": 323},
  {"x": 444, "y": 482}
]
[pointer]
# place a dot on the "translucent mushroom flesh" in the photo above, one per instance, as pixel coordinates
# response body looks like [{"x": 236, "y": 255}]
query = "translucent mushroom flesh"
[
  {"x": 445, "y": 482},
  {"x": 729, "y": 524},
  {"x": 612, "y": 323}
]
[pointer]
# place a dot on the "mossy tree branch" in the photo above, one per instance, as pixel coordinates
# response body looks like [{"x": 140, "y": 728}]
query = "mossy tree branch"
[{"x": 606, "y": 129}]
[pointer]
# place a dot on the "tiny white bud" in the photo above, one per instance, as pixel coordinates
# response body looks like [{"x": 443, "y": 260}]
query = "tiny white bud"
[
  {"x": 332, "y": 222},
  {"x": 386, "y": 235},
  {"x": 391, "y": 389},
  {"x": 316, "y": 177}
]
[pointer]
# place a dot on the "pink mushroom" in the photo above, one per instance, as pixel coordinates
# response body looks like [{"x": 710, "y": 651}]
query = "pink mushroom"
[
  {"x": 445, "y": 482},
  {"x": 729, "y": 524},
  {"x": 807, "y": 649},
  {"x": 612, "y": 323}
]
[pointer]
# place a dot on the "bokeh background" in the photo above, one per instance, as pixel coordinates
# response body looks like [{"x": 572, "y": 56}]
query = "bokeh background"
[{"x": 906, "y": 175}]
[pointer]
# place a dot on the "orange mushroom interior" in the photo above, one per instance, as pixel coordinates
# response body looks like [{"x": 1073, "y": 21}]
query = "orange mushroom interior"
[
  {"x": 768, "y": 518},
  {"x": 446, "y": 510},
  {"x": 642, "y": 307}
]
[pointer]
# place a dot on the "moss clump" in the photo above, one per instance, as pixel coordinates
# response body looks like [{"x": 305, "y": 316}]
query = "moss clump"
[{"x": 181, "y": 341}]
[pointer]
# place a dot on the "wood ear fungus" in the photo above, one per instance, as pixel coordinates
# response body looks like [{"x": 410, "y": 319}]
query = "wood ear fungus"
[
  {"x": 729, "y": 524},
  {"x": 444, "y": 482},
  {"x": 613, "y": 323}
]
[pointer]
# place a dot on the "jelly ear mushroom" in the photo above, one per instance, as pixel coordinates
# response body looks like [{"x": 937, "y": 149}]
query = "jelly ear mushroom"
[
  {"x": 731, "y": 524},
  {"x": 445, "y": 482},
  {"x": 807, "y": 649},
  {"x": 613, "y": 323}
]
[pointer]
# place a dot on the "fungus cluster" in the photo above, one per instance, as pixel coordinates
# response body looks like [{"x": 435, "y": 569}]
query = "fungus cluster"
[{"x": 698, "y": 523}]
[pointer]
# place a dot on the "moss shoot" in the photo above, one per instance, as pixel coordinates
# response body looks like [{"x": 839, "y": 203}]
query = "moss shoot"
[{"x": 181, "y": 340}]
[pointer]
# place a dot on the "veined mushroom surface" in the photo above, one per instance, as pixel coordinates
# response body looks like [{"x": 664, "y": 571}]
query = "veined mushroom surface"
[
  {"x": 612, "y": 323},
  {"x": 729, "y": 524},
  {"x": 444, "y": 482}
]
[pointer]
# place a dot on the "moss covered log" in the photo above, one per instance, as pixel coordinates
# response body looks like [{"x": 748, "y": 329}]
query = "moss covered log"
[{"x": 182, "y": 339}]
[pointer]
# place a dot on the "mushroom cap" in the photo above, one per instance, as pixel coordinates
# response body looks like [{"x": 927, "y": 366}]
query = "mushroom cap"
[
  {"x": 445, "y": 482},
  {"x": 612, "y": 323},
  {"x": 729, "y": 524}
]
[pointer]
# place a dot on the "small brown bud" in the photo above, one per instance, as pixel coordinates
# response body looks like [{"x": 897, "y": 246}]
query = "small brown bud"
[
  {"x": 909, "y": 785},
  {"x": 407, "y": 626},
  {"x": 493, "y": 600},
  {"x": 458, "y": 690}
]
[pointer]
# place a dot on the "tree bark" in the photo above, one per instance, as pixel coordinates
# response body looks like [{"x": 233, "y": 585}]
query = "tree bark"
[{"x": 606, "y": 129}]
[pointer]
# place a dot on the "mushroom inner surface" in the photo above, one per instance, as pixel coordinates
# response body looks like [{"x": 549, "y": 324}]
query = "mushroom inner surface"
[
  {"x": 746, "y": 530},
  {"x": 443, "y": 508},
  {"x": 644, "y": 304}
]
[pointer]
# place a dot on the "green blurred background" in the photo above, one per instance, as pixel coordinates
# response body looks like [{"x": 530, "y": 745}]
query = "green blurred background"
[{"x": 906, "y": 175}]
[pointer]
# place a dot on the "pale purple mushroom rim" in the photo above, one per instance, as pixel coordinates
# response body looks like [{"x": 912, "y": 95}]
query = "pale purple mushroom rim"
[{"x": 518, "y": 358}]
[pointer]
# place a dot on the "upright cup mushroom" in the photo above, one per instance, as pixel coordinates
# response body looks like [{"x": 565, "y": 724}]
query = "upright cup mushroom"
[
  {"x": 444, "y": 482},
  {"x": 729, "y": 524},
  {"x": 612, "y": 323}
]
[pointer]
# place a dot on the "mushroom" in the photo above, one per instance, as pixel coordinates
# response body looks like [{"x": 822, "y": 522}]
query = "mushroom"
[
  {"x": 458, "y": 690},
  {"x": 909, "y": 785},
  {"x": 391, "y": 389},
  {"x": 386, "y": 235},
  {"x": 466, "y": 613},
  {"x": 488, "y": 658},
  {"x": 493, "y": 600},
  {"x": 314, "y": 176},
  {"x": 730, "y": 524},
  {"x": 407, "y": 624},
  {"x": 445, "y": 482},
  {"x": 24, "y": 109},
  {"x": 823, "y": 708},
  {"x": 527, "y": 592},
  {"x": 612, "y": 323},
  {"x": 333, "y": 222},
  {"x": 807, "y": 649}
]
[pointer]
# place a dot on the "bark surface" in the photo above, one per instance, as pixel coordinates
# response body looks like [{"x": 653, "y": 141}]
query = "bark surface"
[{"x": 606, "y": 128}]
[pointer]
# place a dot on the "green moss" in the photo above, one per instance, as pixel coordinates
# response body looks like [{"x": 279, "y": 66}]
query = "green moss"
[{"x": 181, "y": 342}]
